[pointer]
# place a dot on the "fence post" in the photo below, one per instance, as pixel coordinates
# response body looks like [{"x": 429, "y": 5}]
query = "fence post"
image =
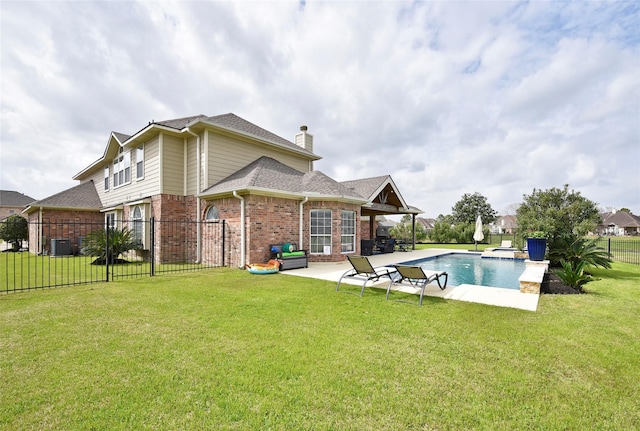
[
  {"x": 609, "y": 246},
  {"x": 152, "y": 247},
  {"x": 224, "y": 224},
  {"x": 106, "y": 252}
]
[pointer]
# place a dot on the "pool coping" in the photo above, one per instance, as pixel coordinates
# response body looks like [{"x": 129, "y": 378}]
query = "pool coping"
[{"x": 496, "y": 296}]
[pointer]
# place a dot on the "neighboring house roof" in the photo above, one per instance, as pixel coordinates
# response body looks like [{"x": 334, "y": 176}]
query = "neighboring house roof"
[
  {"x": 228, "y": 122},
  {"x": 621, "y": 219},
  {"x": 81, "y": 197},
  {"x": 269, "y": 176},
  {"x": 427, "y": 223},
  {"x": 9, "y": 198}
]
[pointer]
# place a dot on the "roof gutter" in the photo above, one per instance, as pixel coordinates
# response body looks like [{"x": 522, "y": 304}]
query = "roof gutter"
[
  {"x": 243, "y": 255},
  {"x": 198, "y": 190}
]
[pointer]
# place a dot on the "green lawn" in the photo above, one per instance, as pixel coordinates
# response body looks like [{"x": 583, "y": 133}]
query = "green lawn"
[{"x": 223, "y": 349}]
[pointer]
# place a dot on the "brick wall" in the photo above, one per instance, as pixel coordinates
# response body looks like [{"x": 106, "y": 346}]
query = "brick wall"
[
  {"x": 61, "y": 225},
  {"x": 175, "y": 237},
  {"x": 273, "y": 220},
  {"x": 229, "y": 211},
  {"x": 336, "y": 222}
]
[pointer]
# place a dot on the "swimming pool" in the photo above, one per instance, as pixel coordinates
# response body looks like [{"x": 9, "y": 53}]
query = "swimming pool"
[{"x": 473, "y": 269}]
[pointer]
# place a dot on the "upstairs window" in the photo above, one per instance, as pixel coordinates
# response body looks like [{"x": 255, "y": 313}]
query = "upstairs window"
[
  {"x": 106, "y": 178},
  {"x": 122, "y": 168},
  {"x": 140, "y": 162}
]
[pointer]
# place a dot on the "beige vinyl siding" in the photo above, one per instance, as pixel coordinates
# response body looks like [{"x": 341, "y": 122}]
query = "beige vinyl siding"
[
  {"x": 148, "y": 186},
  {"x": 192, "y": 166},
  {"x": 227, "y": 155},
  {"x": 173, "y": 165}
]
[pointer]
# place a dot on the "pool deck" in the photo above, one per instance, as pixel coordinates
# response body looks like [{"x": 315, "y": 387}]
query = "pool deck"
[{"x": 511, "y": 298}]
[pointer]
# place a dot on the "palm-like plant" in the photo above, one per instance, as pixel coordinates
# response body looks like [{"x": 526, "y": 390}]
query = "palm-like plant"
[
  {"x": 582, "y": 250},
  {"x": 119, "y": 241},
  {"x": 573, "y": 276},
  {"x": 576, "y": 257}
]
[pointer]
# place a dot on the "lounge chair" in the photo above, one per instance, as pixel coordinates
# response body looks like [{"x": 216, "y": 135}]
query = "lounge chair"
[
  {"x": 416, "y": 276},
  {"x": 505, "y": 245},
  {"x": 363, "y": 270}
]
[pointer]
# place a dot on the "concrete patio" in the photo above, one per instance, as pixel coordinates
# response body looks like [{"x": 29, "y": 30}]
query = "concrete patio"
[{"x": 496, "y": 296}]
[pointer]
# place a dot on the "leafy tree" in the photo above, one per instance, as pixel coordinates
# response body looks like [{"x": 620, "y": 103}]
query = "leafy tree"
[
  {"x": 120, "y": 241},
  {"x": 562, "y": 214},
  {"x": 404, "y": 232},
  {"x": 14, "y": 229},
  {"x": 442, "y": 232},
  {"x": 467, "y": 209}
]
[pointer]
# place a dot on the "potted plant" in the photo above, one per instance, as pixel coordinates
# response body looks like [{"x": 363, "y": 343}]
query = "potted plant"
[{"x": 537, "y": 245}]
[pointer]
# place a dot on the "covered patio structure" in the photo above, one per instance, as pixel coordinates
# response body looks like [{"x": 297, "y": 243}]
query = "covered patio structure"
[{"x": 384, "y": 199}]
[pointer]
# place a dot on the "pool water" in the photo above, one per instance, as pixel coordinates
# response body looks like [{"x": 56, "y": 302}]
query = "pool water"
[{"x": 473, "y": 269}]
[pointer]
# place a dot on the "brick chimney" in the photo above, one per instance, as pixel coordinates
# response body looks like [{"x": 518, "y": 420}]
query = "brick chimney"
[{"x": 304, "y": 139}]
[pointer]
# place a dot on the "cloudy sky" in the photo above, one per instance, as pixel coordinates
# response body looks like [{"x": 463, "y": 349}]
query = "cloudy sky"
[{"x": 448, "y": 98}]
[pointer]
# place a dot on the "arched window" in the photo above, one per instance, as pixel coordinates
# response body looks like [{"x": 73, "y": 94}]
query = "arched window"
[
  {"x": 136, "y": 218},
  {"x": 212, "y": 213}
]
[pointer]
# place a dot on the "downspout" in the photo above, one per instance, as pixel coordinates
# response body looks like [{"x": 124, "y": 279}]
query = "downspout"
[
  {"x": 242, "y": 229},
  {"x": 300, "y": 239},
  {"x": 198, "y": 190}
]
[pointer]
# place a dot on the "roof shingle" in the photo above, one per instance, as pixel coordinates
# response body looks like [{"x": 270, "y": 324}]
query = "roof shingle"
[{"x": 82, "y": 196}]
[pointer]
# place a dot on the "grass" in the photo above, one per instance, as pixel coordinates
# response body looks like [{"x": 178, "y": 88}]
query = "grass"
[
  {"x": 24, "y": 270},
  {"x": 224, "y": 349}
]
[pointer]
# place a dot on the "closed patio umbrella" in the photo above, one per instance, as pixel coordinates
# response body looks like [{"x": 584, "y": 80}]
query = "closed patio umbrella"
[{"x": 478, "y": 235}]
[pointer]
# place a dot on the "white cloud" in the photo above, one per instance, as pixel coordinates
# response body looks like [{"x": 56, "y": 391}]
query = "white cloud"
[{"x": 447, "y": 97}]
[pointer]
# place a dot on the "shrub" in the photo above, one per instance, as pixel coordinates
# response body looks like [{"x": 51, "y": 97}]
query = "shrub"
[
  {"x": 573, "y": 276},
  {"x": 582, "y": 251},
  {"x": 120, "y": 241}
]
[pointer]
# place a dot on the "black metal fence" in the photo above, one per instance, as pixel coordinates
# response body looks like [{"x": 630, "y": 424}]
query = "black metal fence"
[
  {"x": 622, "y": 249},
  {"x": 625, "y": 249},
  {"x": 57, "y": 254}
]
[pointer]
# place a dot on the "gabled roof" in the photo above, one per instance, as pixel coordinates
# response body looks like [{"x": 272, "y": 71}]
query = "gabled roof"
[
  {"x": 9, "y": 198},
  {"x": 226, "y": 122},
  {"x": 382, "y": 193},
  {"x": 269, "y": 176},
  {"x": 620, "y": 219},
  {"x": 81, "y": 197}
]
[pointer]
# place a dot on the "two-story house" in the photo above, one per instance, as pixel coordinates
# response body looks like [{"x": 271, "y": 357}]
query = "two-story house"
[{"x": 221, "y": 168}]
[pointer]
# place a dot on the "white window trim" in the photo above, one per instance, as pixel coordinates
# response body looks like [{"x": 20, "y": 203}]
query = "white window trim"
[
  {"x": 120, "y": 167},
  {"x": 206, "y": 213},
  {"x": 323, "y": 235},
  {"x": 107, "y": 178},
  {"x": 352, "y": 235},
  {"x": 140, "y": 151}
]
